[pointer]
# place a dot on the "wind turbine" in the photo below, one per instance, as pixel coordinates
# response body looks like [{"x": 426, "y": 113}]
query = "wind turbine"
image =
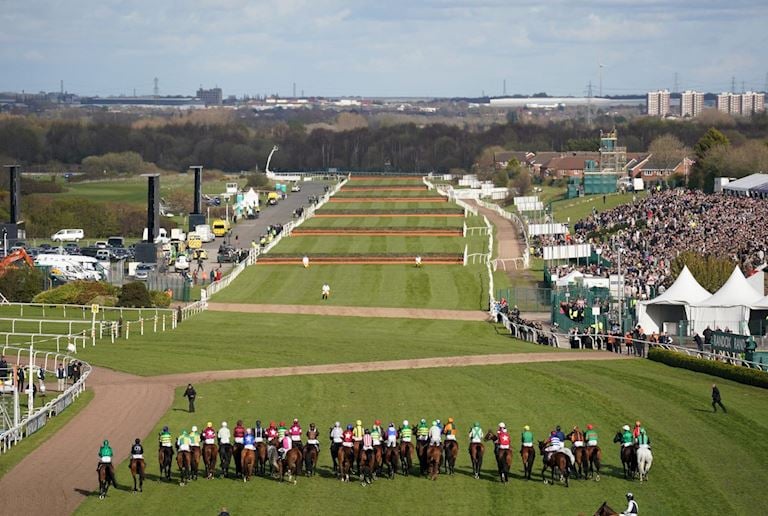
[{"x": 600, "y": 87}]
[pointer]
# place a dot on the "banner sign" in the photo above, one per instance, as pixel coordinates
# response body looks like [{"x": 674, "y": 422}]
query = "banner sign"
[
  {"x": 567, "y": 252},
  {"x": 731, "y": 342},
  {"x": 553, "y": 228}
]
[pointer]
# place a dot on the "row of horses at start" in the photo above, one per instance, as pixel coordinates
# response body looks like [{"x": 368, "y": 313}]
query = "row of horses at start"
[{"x": 381, "y": 461}]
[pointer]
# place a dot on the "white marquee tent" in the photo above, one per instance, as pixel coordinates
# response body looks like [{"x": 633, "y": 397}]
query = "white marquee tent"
[
  {"x": 673, "y": 305},
  {"x": 728, "y": 308}
]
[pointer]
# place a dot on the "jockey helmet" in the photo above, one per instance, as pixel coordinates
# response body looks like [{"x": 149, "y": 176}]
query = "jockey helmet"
[
  {"x": 312, "y": 425},
  {"x": 391, "y": 424},
  {"x": 476, "y": 425},
  {"x": 637, "y": 423},
  {"x": 295, "y": 420},
  {"x": 224, "y": 423},
  {"x": 165, "y": 429},
  {"x": 526, "y": 428},
  {"x": 240, "y": 422},
  {"x": 642, "y": 429},
  {"x": 367, "y": 431},
  {"x": 359, "y": 423},
  {"x": 194, "y": 428},
  {"x": 258, "y": 423},
  {"x": 337, "y": 424},
  {"x": 106, "y": 443},
  {"x": 625, "y": 427},
  {"x": 349, "y": 426},
  {"x": 589, "y": 427},
  {"x": 434, "y": 423},
  {"x": 138, "y": 441},
  {"x": 377, "y": 422},
  {"x": 502, "y": 425},
  {"x": 271, "y": 423},
  {"x": 450, "y": 420},
  {"x": 183, "y": 432},
  {"x": 247, "y": 430},
  {"x": 405, "y": 422},
  {"x": 630, "y": 496},
  {"x": 423, "y": 421},
  {"x": 282, "y": 423},
  {"x": 437, "y": 421},
  {"x": 209, "y": 424},
  {"x": 557, "y": 428}
]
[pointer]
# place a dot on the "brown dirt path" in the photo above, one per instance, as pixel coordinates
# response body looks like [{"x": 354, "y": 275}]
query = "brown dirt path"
[
  {"x": 509, "y": 242},
  {"x": 61, "y": 473},
  {"x": 353, "y": 311}
]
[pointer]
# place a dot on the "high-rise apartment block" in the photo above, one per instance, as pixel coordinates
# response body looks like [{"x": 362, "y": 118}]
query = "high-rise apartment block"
[
  {"x": 691, "y": 103},
  {"x": 212, "y": 97},
  {"x": 743, "y": 104},
  {"x": 658, "y": 103}
]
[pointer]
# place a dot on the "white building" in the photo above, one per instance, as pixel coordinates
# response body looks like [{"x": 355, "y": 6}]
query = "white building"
[
  {"x": 691, "y": 103},
  {"x": 658, "y": 103},
  {"x": 741, "y": 103}
]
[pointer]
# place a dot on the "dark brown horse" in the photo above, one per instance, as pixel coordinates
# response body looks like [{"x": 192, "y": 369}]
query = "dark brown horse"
[
  {"x": 421, "y": 454},
  {"x": 261, "y": 458},
  {"x": 579, "y": 452},
  {"x": 367, "y": 465},
  {"x": 556, "y": 460},
  {"x": 476, "y": 452},
  {"x": 194, "y": 455},
  {"x": 434, "y": 456},
  {"x": 225, "y": 458},
  {"x": 392, "y": 460},
  {"x": 310, "y": 459},
  {"x": 406, "y": 451},
  {"x": 605, "y": 510},
  {"x": 237, "y": 454},
  {"x": 628, "y": 458},
  {"x": 184, "y": 461},
  {"x": 345, "y": 458},
  {"x": 291, "y": 464},
  {"x": 528, "y": 456},
  {"x": 247, "y": 463},
  {"x": 165, "y": 458},
  {"x": 357, "y": 447},
  {"x": 106, "y": 475},
  {"x": 378, "y": 459},
  {"x": 138, "y": 467},
  {"x": 594, "y": 456},
  {"x": 210, "y": 451},
  {"x": 503, "y": 458},
  {"x": 451, "y": 452}
]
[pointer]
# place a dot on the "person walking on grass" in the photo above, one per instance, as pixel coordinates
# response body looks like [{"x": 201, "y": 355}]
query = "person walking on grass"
[
  {"x": 190, "y": 394},
  {"x": 716, "y": 399}
]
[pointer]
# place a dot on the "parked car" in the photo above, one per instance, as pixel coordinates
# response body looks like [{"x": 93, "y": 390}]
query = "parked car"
[
  {"x": 181, "y": 263},
  {"x": 103, "y": 255},
  {"x": 143, "y": 270},
  {"x": 227, "y": 253},
  {"x": 295, "y": 187},
  {"x": 68, "y": 235},
  {"x": 101, "y": 244},
  {"x": 72, "y": 248}
]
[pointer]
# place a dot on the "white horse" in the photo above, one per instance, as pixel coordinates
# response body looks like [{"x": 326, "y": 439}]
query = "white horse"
[{"x": 644, "y": 462}]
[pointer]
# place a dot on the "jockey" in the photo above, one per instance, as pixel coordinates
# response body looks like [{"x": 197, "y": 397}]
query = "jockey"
[
  {"x": 367, "y": 443},
  {"x": 636, "y": 430},
  {"x": 422, "y": 431},
  {"x": 105, "y": 453},
  {"x": 450, "y": 430},
  {"x": 312, "y": 436},
  {"x": 439, "y": 424},
  {"x": 626, "y": 437},
  {"x": 358, "y": 431},
  {"x": 165, "y": 438},
  {"x": 347, "y": 437},
  {"x": 406, "y": 432},
  {"x": 295, "y": 433},
  {"x": 503, "y": 438},
  {"x": 137, "y": 450},
  {"x": 183, "y": 442},
  {"x": 476, "y": 433},
  {"x": 560, "y": 434},
  {"x": 194, "y": 438},
  {"x": 258, "y": 432},
  {"x": 285, "y": 445},
  {"x": 336, "y": 437},
  {"x": 577, "y": 444},
  {"x": 391, "y": 436},
  {"x": 224, "y": 434},
  {"x": 239, "y": 432},
  {"x": 631, "y": 505},
  {"x": 590, "y": 436},
  {"x": 271, "y": 433},
  {"x": 249, "y": 440},
  {"x": 281, "y": 431},
  {"x": 643, "y": 441},
  {"x": 376, "y": 433},
  {"x": 209, "y": 434},
  {"x": 435, "y": 435},
  {"x": 526, "y": 438},
  {"x": 553, "y": 444}
]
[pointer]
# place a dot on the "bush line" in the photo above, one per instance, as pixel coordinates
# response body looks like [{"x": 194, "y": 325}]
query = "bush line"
[{"x": 730, "y": 372}]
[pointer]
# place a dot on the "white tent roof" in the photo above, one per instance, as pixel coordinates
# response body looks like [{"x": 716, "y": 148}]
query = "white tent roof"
[
  {"x": 760, "y": 304},
  {"x": 736, "y": 292},
  {"x": 685, "y": 290},
  {"x": 747, "y": 183},
  {"x": 568, "y": 278}
]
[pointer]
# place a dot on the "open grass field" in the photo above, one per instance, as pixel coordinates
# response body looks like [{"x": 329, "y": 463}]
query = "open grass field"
[
  {"x": 358, "y": 181},
  {"x": 450, "y": 287},
  {"x": 704, "y": 463},
  {"x": 388, "y": 205},
  {"x": 376, "y": 245},
  {"x": 219, "y": 341},
  {"x": 581, "y": 207},
  {"x": 384, "y": 222},
  {"x": 385, "y": 193}
]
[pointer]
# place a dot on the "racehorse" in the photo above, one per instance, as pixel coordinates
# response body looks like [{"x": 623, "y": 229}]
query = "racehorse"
[
  {"x": 237, "y": 454},
  {"x": 644, "y": 462},
  {"x": 421, "y": 454},
  {"x": 378, "y": 459},
  {"x": 528, "y": 456},
  {"x": 291, "y": 464},
  {"x": 367, "y": 466},
  {"x": 392, "y": 460},
  {"x": 557, "y": 460},
  {"x": 106, "y": 475},
  {"x": 194, "y": 456},
  {"x": 225, "y": 457},
  {"x": 605, "y": 510},
  {"x": 357, "y": 446},
  {"x": 137, "y": 469},
  {"x": 451, "y": 451},
  {"x": 434, "y": 458},
  {"x": 209, "y": 459},
  {"x": 261, "y": 458},
  {"x": 503, "y": 458},
  {"x": 247, "y": 462},
  {"x": 310, "y": 459},
  {"x": 595, "y": 456},
  {"x": 579, "y": 452},
  {"x": 165, "y": 458},
  {"x": 476, "y": 452},
  {"x": 406, "y": 450},
  {"x": 628, "y": 458},
  {"x": 184, "y": 461},
  {"x": 344, "y": 458},
  {"x": 334, "y": 449}
]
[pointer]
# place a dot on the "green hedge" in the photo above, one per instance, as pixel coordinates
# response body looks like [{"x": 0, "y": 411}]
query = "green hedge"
[{"x": 736, "y": 373}]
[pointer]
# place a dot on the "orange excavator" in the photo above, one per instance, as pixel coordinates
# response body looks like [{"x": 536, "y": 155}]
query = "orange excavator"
[{"x": 12, "y": 260}]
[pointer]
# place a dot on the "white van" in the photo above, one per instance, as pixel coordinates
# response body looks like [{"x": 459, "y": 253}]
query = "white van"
[
  {"x": 68, "y": 235},
  {"x": 161, "y": 238},
  {"x": 205, "y": 233}
]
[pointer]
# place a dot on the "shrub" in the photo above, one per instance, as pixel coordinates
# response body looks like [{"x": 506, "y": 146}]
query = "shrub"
[
  {"x": 77, "y": 293},
  {"x": 713, "y": 367},
  {"x": 134, "y": 295},
  {"x": 160, "y": 299},
  {"x": 21, "y": 285}
]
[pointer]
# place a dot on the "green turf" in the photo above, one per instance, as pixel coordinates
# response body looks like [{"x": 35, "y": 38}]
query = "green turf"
[
  {"x": 704, "y": 463},
  {"x": 581, "y": 207},
  {"x": 383, "y": 222},
  {"x": 386, "y": 182},
  {"x": 219, "y": 340},
  {"x": 385, "y": 205},
  {"x": 18, "y": 452},
  {"x": 433, "y": 286},
  {"x": 387, "y": 193},
  {"x": 376, "y": 245}
]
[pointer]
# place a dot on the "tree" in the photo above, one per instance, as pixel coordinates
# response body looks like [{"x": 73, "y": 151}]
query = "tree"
[
  {"x": 21, "y": 285},
  {"x": 501, "y": 179},
  {"x": 668, "y": 151},
  {"x": 522, "y": 182},
  {"x": 710, "y": 271},
  {"x": 135, "y": 295},
  {"x": 703, "y": 173}
]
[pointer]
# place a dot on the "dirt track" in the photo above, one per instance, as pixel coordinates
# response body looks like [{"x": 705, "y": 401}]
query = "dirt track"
[
  {"x": 57, "y": 476},
  {"x": 354, "y": 311}
]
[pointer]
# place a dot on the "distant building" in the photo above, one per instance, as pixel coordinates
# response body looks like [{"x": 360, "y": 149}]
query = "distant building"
[
  {"x": 741, "y": 104},
  {"x": 658, "y": 103},
  {"x": 212, "y": 97},
  {"x": 691, "y": 103}
]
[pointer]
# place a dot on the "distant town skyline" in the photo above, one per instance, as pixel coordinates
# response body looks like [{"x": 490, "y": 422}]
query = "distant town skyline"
[{"x": 433, "y": 48}]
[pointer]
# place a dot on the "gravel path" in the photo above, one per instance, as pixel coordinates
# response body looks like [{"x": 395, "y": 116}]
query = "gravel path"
[
  {"x": 125, "y": 407},
  {"x": 353, "y": 311}
]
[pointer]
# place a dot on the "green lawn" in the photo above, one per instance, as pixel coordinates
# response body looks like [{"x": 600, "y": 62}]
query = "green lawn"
[
  {"x": 433, "y": 286},
  {"x": 704, "y": 463},
  {"x": 376, "y": 245},
  {"x": 384, "y": 222},
  {"x": 22, "y": 449},
  {"x": 387, "y": 193},
  {"x": 219, "y": 340},
  {"x": 385, "y": 205},
  {"x": 581, "y": 207},
  {"x": 372, "y": 181}
]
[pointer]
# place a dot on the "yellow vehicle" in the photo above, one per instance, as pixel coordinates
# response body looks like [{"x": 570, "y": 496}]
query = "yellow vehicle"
[
  {"x": 220, "y": 227},
  {"x": 200, "y": 254},
  {"x": 272, "y": 198},
  {"x": 194, "y": 241}
]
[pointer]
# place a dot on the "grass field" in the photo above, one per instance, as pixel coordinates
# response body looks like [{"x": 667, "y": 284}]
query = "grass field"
[
  {"x": 384, "y": 222},
  {"x": 581, "y": 207},
  {"x": 218, "y": 340},
  {"x": 383, "y": 181},
  {"x": 377, "y": 245},
  {"x": 386, "y": 205},
  {"x": 704, "y": 463},
  {"x": 387, "y": 193},
  {"x": 433, "y": 286}
]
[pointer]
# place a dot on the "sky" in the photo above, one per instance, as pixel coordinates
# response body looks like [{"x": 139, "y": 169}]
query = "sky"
[{"x": 440, "y": 48}]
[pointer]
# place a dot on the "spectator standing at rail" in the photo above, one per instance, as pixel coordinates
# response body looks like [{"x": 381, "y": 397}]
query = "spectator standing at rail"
[
  {"x": 3, "y": 368},
  {"x": 716, "y": 399},
  {"x": 190, "y": 394},
  {"x": 61, "y": 377}
]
